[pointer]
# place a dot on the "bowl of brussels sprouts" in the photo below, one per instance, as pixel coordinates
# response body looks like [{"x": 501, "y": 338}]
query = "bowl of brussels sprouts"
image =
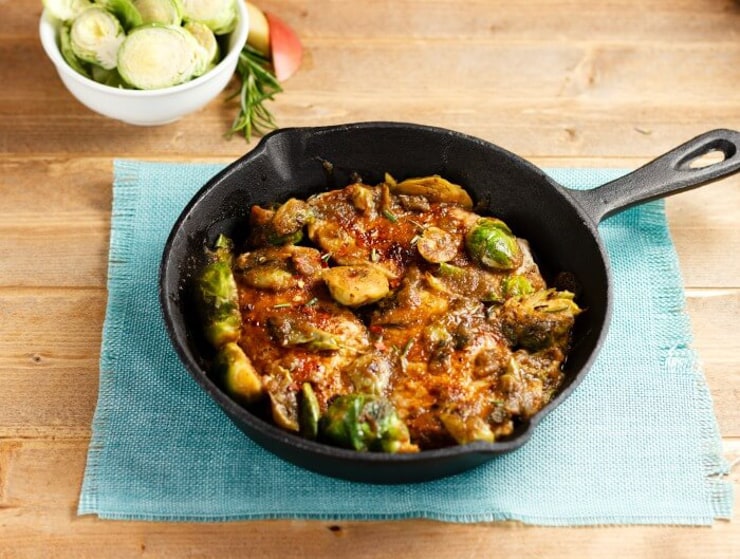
[{"x": 144, "y": 62}]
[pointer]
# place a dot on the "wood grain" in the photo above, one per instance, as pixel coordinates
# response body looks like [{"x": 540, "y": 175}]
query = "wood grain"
[{"x": 560, "y": 82}]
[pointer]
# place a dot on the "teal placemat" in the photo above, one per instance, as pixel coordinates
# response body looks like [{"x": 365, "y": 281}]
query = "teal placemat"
[{"x": 636, "y": 443}]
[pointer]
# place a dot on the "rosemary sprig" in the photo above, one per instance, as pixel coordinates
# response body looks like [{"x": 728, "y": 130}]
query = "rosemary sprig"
[{"x": 258, "y": 85}]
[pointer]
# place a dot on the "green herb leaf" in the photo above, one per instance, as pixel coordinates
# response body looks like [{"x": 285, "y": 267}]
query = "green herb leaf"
[{"x": 258, "y": 85}]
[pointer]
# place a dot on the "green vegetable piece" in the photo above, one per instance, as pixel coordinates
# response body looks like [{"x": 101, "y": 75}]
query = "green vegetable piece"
[
  {"x": 96, "y": 36},
  {"x": 434, "y": 188},
  {"x": 107, "y": 77},
  {"x": 491, "y": 243},
  {"x": 166, "y": 12},
  {"x": 450, "y": 271},
  {"x": 364, "y": 422},
  {"x": 295, "y": 332},
  {"x": 66, "y": 10},
  {"x": 219, "y": 15},
  {"x": 467, "y": 430},
  {"x": 210, "y": 53},
  {"x": 159, "y": 56},
  {"x": 65, "y": 46},
  {"x": 238, "y": 375},
  {"x": 280, "y": 226},
  {"x": 516, "y": 286},
  {"x": 309, "y": 412},
  {"x": 218, "y": 297},
  {"x": 540, "y": 320},
  {"x": 286, "y": 226},
  {"x": 258, "y": 85},
  {"x": 371, "y": 373},
  {"x": 124, "y": 10}
]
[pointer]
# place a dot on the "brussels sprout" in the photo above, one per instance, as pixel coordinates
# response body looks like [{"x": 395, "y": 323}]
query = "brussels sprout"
[
  {"x": 95, "y": 37},
  {"x": 308, "y": 412},
  {"x": 166, "y": 12},
  {"x": 362, "y": 198},
  {"x": 288, "y": 221},
  {"x": 516, "y": 286},
  {"x": 107, "y": 77},
  {"x": 354, "y": 286},
  {"x": 219, "y": 15},
  {"x": 297, "y": 332},
  {"x": 279, "y": 268},
  {"x": 207, "y": 40},
  {"x": 66, "y": 10},
  {"x": 450, "y": 270},
  {"x": 65, "y": 46},
  {"x": 270, "y": 275},
  {"x": 436, "y": 245},
  {"x": 124, "y": 10},
  {"x": 158, "y": 56},
  {"x": 512, "y": 378},
  {"x": 366, "y": 423},
  {"x": 371, "y": 373},
  {"x": 434, "y": 188},
  {"x": 239, "y": 377},
  {"x": 282, "y": 226},
  {"x": 467, "y": 430},
  {"x": 539, "y": 320},
  {"x": 491, "y": 243},
  {"x": 218, "y": 297}
]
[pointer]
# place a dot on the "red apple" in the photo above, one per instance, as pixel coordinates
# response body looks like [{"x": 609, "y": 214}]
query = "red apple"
[{"x": 286, "y": 50}]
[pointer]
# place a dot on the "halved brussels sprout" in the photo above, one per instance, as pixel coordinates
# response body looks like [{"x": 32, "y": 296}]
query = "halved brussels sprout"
[
  {"x": 491, "y": 243},
  {"x": 65, "y": 46},
  {"x": 124, "y": 10},
  {"x": 516, "y": 286},
  {"x": 66, "y": 10},
  {"x": 237, "y": 373},
  {"x": 95, "y": 37},
  {"x": 219, "y": 15},
  {"x": 158, "y": 56},
  {"x": 371, "y": 373},
  {"x": 366, "y": 423},
  {"x": 280, "y": 226},
  {"x": 207, "y": 40},
  {"x": 466, "y": 430},
  {"x": 434, "y": 188},
  {"x": 218, "y": 297},
  {"x": 107, "y": 77},
  {"x": 290, "y": 331},
  {"x": 167, "y": 12},
  {"x": 542, "y": 319},
  {"x": 308, "y": 412}
]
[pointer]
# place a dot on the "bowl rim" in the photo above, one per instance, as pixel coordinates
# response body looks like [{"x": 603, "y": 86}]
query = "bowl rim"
[{"x": 48, "y": 34}]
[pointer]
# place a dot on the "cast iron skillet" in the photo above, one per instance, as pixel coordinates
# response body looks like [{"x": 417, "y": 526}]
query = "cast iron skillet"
[{"x": 560, "y": 223}]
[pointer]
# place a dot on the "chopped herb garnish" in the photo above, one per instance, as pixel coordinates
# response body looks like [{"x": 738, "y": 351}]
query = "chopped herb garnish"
[{"x": 390, "y": 216}]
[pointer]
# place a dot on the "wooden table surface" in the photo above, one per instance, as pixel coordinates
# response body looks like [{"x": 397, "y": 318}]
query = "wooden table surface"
[{"x": 562, "y": 83}]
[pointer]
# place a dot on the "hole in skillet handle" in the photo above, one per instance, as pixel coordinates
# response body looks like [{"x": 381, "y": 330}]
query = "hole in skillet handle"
[{"x": 708, "y": 156}]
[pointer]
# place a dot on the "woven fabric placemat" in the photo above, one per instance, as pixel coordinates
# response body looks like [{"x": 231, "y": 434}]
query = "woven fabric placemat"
[{"x": 636, "y": 443}]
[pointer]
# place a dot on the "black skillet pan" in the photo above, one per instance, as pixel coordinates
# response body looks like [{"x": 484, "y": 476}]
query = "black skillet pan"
[{"x": 561, "y": 225}]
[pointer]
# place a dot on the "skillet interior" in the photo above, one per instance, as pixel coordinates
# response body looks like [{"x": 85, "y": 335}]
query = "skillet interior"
[{"x": 298, "y": 162}]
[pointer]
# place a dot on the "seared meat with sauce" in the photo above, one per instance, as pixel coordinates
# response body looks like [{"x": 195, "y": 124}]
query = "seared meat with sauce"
[{"x": 394, "y": 318}]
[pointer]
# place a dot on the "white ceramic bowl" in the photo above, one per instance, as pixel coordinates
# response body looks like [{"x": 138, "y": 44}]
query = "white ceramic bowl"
[{"x": 151, "y": 107}]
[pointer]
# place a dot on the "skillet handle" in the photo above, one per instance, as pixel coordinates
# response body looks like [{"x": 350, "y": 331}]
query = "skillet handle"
[{"x": 668, "y": 174}]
